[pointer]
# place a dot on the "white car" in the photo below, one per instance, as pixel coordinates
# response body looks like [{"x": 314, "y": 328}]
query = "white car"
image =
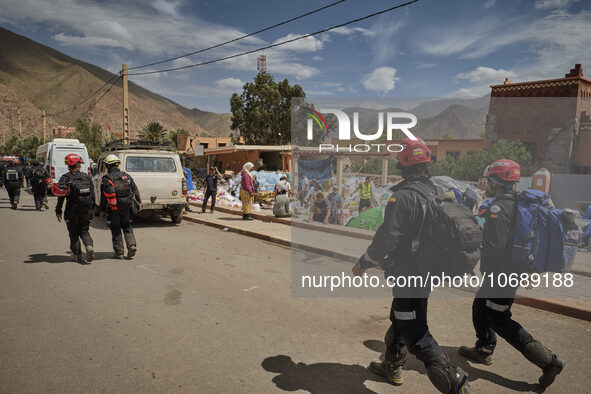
[{"x": 158, "y": 175}]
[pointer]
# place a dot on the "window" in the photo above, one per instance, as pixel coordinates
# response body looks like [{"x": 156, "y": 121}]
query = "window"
[
  {"x": 451, "y": 154},
  {"x": 150, "y": 164}
]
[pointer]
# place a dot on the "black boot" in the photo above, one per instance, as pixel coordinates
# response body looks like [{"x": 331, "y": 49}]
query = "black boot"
[
  {"x": 543, "y": 357},
  {"x": 476, "y": 354},
  {"x": 447, "y": 378}
]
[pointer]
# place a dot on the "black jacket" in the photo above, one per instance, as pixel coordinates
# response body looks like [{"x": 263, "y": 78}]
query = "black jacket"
[
  {"x": 392, "y": 244},
  {"x": 21, "y": 176},
  {"x": 108, "y": 191},
  {"x": 64, "y": 184},
  {"x": 498, "y": 234}
]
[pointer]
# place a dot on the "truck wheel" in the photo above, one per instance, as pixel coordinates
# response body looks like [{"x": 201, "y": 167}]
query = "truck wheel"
[{"x": 176, "y": 216}]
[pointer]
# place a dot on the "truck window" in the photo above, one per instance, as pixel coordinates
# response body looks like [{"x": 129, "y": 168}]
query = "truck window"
[{"x": 150, "y": 164}]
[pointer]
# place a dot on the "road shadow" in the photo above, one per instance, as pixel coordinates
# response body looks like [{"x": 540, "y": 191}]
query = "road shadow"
[
  {"x": 473, "y": 373},
  {"x": 319, "y": 378},
  {"x": 63, "y": 258},
  {"x": 232, "y": 219}
]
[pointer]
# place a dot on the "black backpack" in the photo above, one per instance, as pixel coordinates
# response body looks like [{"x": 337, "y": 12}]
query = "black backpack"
[
  {"x": 449, "y": 239},
  {"x": 38, "y": 175},
  {"x": 81, "y": 196},
  {"x": 122, "y": 185}
]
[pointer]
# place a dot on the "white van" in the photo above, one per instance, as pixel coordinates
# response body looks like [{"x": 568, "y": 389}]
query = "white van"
[
  {"x": 158, "y": 175},
  {"x": 54, "y": 153}
]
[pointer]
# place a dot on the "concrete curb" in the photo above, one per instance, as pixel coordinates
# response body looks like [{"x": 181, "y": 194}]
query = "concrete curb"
[{"x": 555, "y": 306}]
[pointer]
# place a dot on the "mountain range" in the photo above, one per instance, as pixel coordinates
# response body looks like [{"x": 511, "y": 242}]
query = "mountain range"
[{"x": 35, "y": 77}]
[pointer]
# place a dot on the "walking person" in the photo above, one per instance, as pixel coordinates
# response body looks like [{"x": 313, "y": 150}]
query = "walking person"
[
  {"x": 246, "y": 191},
  {"x": 39, "y": 180},
  {"x": 119, "y": 197},
  {"x": 365, "y": 194},
  {"x": 393, "y": 248},
  {"x": 491, "y": 309},
  {"x": 13, "y": 181},
  {"x": 336, "y": 206},
  {"x": 210, "y": 189},
  {"x": 76, "y": 188}
]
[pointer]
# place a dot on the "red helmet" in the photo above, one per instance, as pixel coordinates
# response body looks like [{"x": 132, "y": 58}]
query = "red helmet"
[
  {"x": 413, "y": 152},
  {"x": 72, "y": 159},
  {"x": 505, "y": 169}
]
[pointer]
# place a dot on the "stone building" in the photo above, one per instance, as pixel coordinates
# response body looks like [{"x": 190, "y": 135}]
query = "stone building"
[{"x": 551, "y": 118}]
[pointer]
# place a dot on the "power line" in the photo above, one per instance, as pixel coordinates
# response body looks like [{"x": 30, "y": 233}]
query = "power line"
[
  {"x": 241, "y": 37},
  {"x": 118, "y": 75},
  {"x": 279, "y": 43}
]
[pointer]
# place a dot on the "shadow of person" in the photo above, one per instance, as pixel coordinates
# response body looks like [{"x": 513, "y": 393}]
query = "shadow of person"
[
  {"x": 319, "y": 378},
  {"x": 455, "y": 359},
  {"x": 65, "y": 258}
]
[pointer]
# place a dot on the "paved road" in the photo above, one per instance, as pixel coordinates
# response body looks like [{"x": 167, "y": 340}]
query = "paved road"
[{"x": 201, "y": 310}]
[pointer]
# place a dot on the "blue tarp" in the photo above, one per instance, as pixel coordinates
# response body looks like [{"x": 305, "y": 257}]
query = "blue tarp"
[{"x": 315, "y": 169}]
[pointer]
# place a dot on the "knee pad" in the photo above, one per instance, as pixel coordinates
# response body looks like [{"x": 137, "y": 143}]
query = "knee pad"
[{"x": 447, "y": 379}]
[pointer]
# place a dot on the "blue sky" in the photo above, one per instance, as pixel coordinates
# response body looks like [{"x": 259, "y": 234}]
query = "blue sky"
[{"x": 431, "y": 48}]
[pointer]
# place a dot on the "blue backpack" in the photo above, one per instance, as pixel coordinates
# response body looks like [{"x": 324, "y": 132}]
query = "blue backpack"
[{"x": 546, "y": 238}]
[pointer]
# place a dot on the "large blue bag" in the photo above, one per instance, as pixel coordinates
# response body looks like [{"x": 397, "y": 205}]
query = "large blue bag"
[{"x": 546, "y": 238}]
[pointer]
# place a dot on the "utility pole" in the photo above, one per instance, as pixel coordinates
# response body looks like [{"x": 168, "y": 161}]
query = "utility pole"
[
  {"x": 44, "y": 126},
  {"x": 20, "y": 125},
  {"x": 125, "y": 107}
]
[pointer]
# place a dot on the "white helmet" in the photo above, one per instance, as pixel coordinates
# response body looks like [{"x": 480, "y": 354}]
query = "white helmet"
[{"x": 112, "y": 159}]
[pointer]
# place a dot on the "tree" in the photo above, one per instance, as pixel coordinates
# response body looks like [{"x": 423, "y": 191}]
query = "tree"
[
  {"x": 21, "y": 146},
  {"x": 449, "y": 136},
  {"x": 206, "y": 134},
  {"x": 262, "y": 113},
  {"x": 90, "y": 134},
  {"x": 173, "y": 134},
  {"x": 153, "y": 131},
  {"x": 471, "y": 166}
]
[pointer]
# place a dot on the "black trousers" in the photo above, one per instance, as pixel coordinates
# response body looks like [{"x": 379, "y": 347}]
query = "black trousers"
[
  {"x": 78, "y": 230},
  {"x": 120, "y": 222},
  {"x": 14, "y": 192},
  {"x": 409, "y": 332},
  {"x": 40, "y": 196},
  {"x": 212, "y": 194},
  {"x": 493, "y": 315},
  {"x": 364, "y": 204}
]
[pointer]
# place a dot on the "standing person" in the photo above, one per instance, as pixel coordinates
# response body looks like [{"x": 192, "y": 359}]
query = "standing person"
[
  {"x": 231, "y": 185},
  {"x": 255, "y": 184},
  {"x": 282, "y": 198},
  {"x": 77, "y": 189},
  {"x": 491, "y": 309},
  {"x": 320, "y": 209},
  {"x": 27, "y": 170},
  {"x": 13, "y": 181},
  {"x": 246, "y": 191},
  {"x": 392, "y": 248},
  {"x": 303, "y": 189},
  {"x": 210, "y": 189},
  {"x": 2, "y": 167},
  {"x": 365, "y": 194},
  {"x": 336, "y": 206},
  {"x": 119, "y": 194},
  {"x": 39, "y": 180}
]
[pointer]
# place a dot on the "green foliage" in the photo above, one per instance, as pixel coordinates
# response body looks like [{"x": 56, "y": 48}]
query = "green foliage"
[
  {"x": 449, "y": 136},
  {"x": 153, "y": 131},
  {"x": 262, "y": 113},
  {"x": 20, "y": 146},
  {"x": 373, "y": 165},
  {"x": 172, "y": 135},
  {"x": 471, "y": 166},
  {"x": 90, "y": 134},
  {"x": 206, "y": 134}
]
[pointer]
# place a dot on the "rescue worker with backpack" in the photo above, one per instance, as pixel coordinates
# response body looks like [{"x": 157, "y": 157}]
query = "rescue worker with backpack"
[
  {"x": 491, "y": 309},
  {"x": 76, "y": 188},
  {"x": 39, "y": 180},
  {"x": 2, "y": 167},
  {"x": 13, "y": 181},
  {"x": 119, "y": 198},
  {"x": 392, "y": 249}
]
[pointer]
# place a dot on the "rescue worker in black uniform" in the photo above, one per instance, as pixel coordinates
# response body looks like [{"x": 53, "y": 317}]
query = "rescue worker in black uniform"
[
  {"x": 2, "y": 167},
  {"x": 13, "y": 181},
  {"x": 76, "y": 188},
  {"x": 39, "y": 180},
  {"x": 392, "y": 249},
  {"x": 119, "y": 199},
  {"x": 491, "y": 309}
]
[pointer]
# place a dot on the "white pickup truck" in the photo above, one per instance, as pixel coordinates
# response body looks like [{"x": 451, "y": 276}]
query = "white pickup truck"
[{"x": 159, "y": 178}]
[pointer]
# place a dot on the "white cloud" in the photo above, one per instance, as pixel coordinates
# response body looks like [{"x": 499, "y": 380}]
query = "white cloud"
[
  {"x": 229, "y": 83},
  {"x": 308, "y": 44},
  {"x": 317, "y": 58},
  {"x": 485, "y": 75},
  {"x": 423, "y": 65},
  {"x": 383, "y": 44},
  {"x": 489, "y": 4},
  {"x": 348, "y": 31},
  {"x": 381, "y": 80},
  {"x": 167, "y": 7},
  {"x": 549, "y": 4}
]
